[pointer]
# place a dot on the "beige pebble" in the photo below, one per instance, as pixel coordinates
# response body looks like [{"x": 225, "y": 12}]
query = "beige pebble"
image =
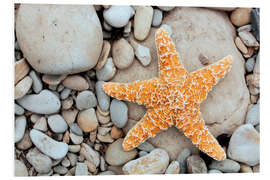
[
  {"x": 93, "y": 136},
  {"x": 142, "y": 22},
  {"x": 248, "y": 39},
  {"x": 256, "y": 169},
  {"x": 87, "y": 120},
  {"x": 91, "y": 166},
  {"x": 69, "y": 115},
  {"x": 240, "y": 16},
  {"x": 116, "y": 132},
  {"x": 123, "y": 54},
  {"x": 74, "y": 148},
  {"x": 240, "y": 45},
  {"x": 245, "y": 168},
  {"x": 41, "y": 124},
  {"x": 103, "y": 113},
  {"x": 53, "y": 79},
  {"x": 104, "y": 55},
  {"x": 67, "y": 103},
  {"x": 107, "y": 138},
  {"x": 76, "y": 82},
  {"x": 90, "y": 154},
  {"x": 23, "y": 87},
  {"x": 102, "y": 119},
  {"x": 21, "y": 70},
  {"x": 66, "y": 137},
  {"x": 25, "y": 142}
]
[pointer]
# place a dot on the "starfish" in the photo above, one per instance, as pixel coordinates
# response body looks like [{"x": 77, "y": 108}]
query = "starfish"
[{"x": 173, "y": 99}]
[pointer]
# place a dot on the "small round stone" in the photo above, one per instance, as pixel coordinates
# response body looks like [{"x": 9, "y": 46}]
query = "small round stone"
[
  {"x": 46, "y": 102},
  {"x": 20, "y": 126},
  {"x": 85, "y": 100},
  {"x": 57, "y": 123},
  {"x": 227, "y": 166},
  {"x": 76, "y": 82},
  {"x": 107, "y": 71},
  {"x": 22, "y": 87},
  {"x": 116, "y": 132},
  {"x": 37, "y": 84},
  {"x": 60, "y": 169},
  {"x": 90, "y": 154},
  {"x": 142, "y": 22},
  {"x": 74, "y": 148},
  {"x": 155, "y": 162},
  {"x": 195, "y": 164},
  {"x": 76, "y": 129},
  {"x": 250, "y": 64},
  {"x": 25, "y": 142},
  {"x": 253, "y": 115},
  {"x": 65, "y": 93},
  {"x": 102, "y": 98},
  {"x": 240, "y": 16},
  {"x": 87, "y": 120},
  {"x": 47, "y": 145},
  {"x": 157, "y": 18},
  {"x": 118, "y": 16},
  {"x": 76, "y": 139},
  {"x": 41, "y": 124},
  {"x": 146, "y": 146},
  {"x": 123, "y": 54},
  {"x": 20, "y": 168},
  {"x": 40, "y": 162},
  {"x": 53, "y": 79},
  {"x": 122, "y": 156},
  {"x": 173, "y": 168},
  {"x": 81, "y": 169},
  {"x": 244, "y": 145},
  {"x": 119, "y": 113},
  {"x": 18, "y": 109}
]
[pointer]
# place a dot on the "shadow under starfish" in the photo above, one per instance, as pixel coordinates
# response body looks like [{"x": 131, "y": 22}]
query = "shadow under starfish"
[{"x": 173, "y": 99}]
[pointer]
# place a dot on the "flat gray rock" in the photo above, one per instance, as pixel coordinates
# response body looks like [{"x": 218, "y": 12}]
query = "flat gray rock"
[
  {"x": 47, "y": 145},
  {"x": 57, "y": 123},
  {"x": 46, "y": 102},
  {"x": 20, "y": 126},
  {"x": 119, "y": 113}
]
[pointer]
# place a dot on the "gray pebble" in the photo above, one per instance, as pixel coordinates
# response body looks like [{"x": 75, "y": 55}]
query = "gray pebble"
[
  {"x": 227, "y": 166},
  {"x": 39, "y": 161},
  {"x": 182, "y": 159},
  {"x": 195, "y": 164},
  {"x": 107, "y": 71},
  {"x": 253, "y": 115},
  {"x": 57, "y": 123},
  {"x": 60, "y": 169},
  {"x": 102, "y": 97},
  {"x": 65, "y": 93},
  {"x": 146, "y": 146},
  {"x": 18, "y": 110},
  {"x": 85, "y": 100},
  {"x": 142, "y": 153},
  {"x": 119, "y": 113},
  {"x": 81, "y": 169},
  {"x": 20, "y": 126},
  {"x": 76, "y": 129},
  {"x": 37, "y": 84},
  {"x": 157, "y": 17},
  {"x": 72, "y": 158},
  {"x": 250, "y": 64}
]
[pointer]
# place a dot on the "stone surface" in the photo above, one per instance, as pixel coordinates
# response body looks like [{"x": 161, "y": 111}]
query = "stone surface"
[
  {"x": 166, "y": 8},
  {"x": 244, "y": 145},
  {"x": 53, "y": 79},
  {"x": 227, "y": 166},
  {"x": 57, "y": 44},
  {"x": 107, "y": 71},
  {"x": 253, "y": 115},
  {"x": 76, "y": 82},
  {"x": 21, "y": 70},
  {"x": 116, "y": 156},
  {"x": 20, "y": 126},
  {"x": 173, "y": 168},
  {"x": 157, "y": 18},
  {"x": 250, "y": 64},
  {"x": 41, "y": 124},
  {"x": 146, "y": 146},
  {"x": 60, "y": 169},
  {"x": 37, "y": 84},
  {"x": 118, "y": 16},
  {"x": 182, "y": 159},
  {"x": 85, "y": 100},
  {"x": 240, "y": 16},
  {"x": 39, "y": 161},
  {"x": 256, "y": 72},
  {"x": 214, "y": 171},
  {"x": 76, "y": 139},
  {"x": 70, "y": 115},
  {"x": 248, "y": 39},
  {"x": 18, "y": 110},
  {"x": 122, "y": 54},
  {"x": 22, "y": 87},
  {"x": 119, "y": 113},
  {"x": 225, "y": 108},
  {"x": 46, "y": 102},
  {"x": 57, "y": 123},
  {"x": 87, "y": 120},
  {"x": 196, "y": 165},
  {"x": 142, "y": 22},
  {"x": 102, "y": 98},
  {"x": 90, "y": 154},
  {"x": 240, "y": 45},
  {"x": 81, "y": 169},
  {"x": 245, "y": 168},
  {"x": 103, "y": 55},
  {"x": 25, "y": 142},
  {"x": 20, "y": 168},
  {"x": 255, "y": 22},
  {"x": 155, "y": 162},
  {"x": 47, "y": 145},
  {"x": 142, "y": 53},
  {"x": 76, "y": 129}
]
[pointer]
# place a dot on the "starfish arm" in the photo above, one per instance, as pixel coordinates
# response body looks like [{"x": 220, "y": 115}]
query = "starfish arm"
[
  {"x": 154, "y": 121},
  {"x": 170, "y": 66},
  {"x": 203, "y": 80},
  {"x": 141, "y": 92},
  {"x": 194, "y": 128}
]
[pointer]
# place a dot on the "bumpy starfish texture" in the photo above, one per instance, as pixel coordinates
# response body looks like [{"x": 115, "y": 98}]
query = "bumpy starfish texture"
[{"x": 173, "y": 99}]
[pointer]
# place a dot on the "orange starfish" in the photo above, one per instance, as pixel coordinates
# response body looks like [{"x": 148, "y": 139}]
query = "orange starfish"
[{"x": 173, "y": 99}]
